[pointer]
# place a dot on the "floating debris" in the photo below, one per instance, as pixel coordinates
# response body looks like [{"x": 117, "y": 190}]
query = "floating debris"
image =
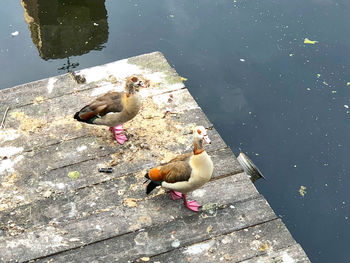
[
  {"x": 74, "y": 175},
  {"x": 14, "y": 34},
  {"x": 308, "y": 41},
  {"x": 242, "y": 59},
  {"x": 249, "y": 167},
  {"x": 348, "y": 84},
  {"x": 302, "y": 190},
  {"x": 318, "y": 75},
  {"x": 346, "y": 106},
  {"x": 291, "y": 54}
]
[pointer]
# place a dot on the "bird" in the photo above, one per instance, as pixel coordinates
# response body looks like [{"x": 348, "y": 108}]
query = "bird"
[
  {"x": 114, "y": 108},
  {"x": 184, "y": 173}
]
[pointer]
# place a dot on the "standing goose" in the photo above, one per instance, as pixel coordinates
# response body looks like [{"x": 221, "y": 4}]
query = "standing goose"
[
  {"x": 114, "y": 108},
  {"x": 186, "y": 172}
]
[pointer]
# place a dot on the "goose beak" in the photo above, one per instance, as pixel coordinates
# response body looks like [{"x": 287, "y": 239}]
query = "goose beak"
[{"x": 206, "y": 138}]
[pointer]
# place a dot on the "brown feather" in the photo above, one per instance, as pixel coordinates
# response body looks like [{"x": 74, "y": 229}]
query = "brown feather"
[
  {"x": 181, "y": 157},
  {"x": 176, "y": 171},
  {"x": 110, "y": 102}
]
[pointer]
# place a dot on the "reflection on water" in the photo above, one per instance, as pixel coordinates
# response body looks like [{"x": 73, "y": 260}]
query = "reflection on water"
[{"x": 64, "y": 28}]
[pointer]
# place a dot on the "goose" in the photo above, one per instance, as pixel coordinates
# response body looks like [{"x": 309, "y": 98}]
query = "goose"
[
  {"x": 184, "y": 173},
  {"x": 114, "y": 108}
]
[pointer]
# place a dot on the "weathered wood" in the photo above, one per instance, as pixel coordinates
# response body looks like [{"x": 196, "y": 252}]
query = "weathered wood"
[
  {"x": 112, "y": 215},
  {"x": 250, "y": 242},
  {"x": 293, "y": 253},
  {"x": 151, "y": 66},
  {"x": 59, "y": 204},
  {"x": 164, "y": 237},
  {"x": 48, "y": 216},
  {"x": 36, "y": 168}
]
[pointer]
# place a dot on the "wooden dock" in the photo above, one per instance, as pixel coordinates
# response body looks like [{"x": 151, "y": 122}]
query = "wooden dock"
[{"x": 56, "y": 207}]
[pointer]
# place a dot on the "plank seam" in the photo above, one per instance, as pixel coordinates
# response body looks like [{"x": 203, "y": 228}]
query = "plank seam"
[
  {"x": 265, "y": 253},
  {"x": 257, "y": 196},
  {"x": 214, "y": 237}
]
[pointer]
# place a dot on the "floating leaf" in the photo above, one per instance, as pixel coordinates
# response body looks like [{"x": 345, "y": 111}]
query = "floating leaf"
[
  {"x": 183, "y": 79},
  {"x": 318, "y": 75},
  {"x": 302, "y": 190},
  {"x": 291, "y": 54},
  {"x": 308, "y": 41},
  {"x": 74, "y": 175},
  {"x": 348, "y": 84}
]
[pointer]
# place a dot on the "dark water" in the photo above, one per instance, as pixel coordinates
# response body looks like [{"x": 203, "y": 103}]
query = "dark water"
[{"x": 283, "y": 102}]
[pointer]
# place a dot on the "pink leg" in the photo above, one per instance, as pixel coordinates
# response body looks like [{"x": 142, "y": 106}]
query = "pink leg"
[
  {"x": 192, "y": 205},
  {"x": 175, "y": 195},
  {"x": 118, "y": 134}
]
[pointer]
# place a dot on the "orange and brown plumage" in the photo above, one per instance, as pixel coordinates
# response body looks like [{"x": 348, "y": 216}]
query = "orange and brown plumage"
[
  {"x": 114, "y": 108},
  {"x": 184, "y": 173}
]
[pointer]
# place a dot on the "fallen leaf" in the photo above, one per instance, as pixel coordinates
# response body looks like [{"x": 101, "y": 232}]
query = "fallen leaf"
[
  {"x": 74, "y": 175},
  {"x": 209, "y": 229},
  {"x": 264, "y": 247},
  {"x": 145, "y": 259},
  {"x": 130, "y": 202},
  {"x": 39, "y": 99},
  {"x": 308, "y": 41},
  {"x": 302, "y": 190},
  {"x": 227, "y": 257}
]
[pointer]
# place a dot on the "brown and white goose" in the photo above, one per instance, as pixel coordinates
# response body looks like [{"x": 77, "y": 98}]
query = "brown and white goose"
[
  {"x": 114, "y": 108},
  {"x": 185, "y": 172}
]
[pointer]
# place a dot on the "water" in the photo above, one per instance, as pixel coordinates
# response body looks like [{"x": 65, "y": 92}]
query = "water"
[{"x": 281, "y": 101}]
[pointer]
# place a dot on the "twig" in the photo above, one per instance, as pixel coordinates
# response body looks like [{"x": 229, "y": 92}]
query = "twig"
[{"x": 3, "y": 118}]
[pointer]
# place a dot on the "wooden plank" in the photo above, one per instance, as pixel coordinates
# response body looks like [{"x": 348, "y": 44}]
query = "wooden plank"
[
  {"x": 118, "y": 218},
  {"x": 33, "y": 170},
  {"x": 44, "y": 124},
  {"x": 46, "y": 215},
  {"x": 152, "y": 66},
  {"x": 88, "y": 200},
  {"x": 247, "y": 245},
  {"x": 293, "y": 254},
  {"x": 62, "y": 144}
]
